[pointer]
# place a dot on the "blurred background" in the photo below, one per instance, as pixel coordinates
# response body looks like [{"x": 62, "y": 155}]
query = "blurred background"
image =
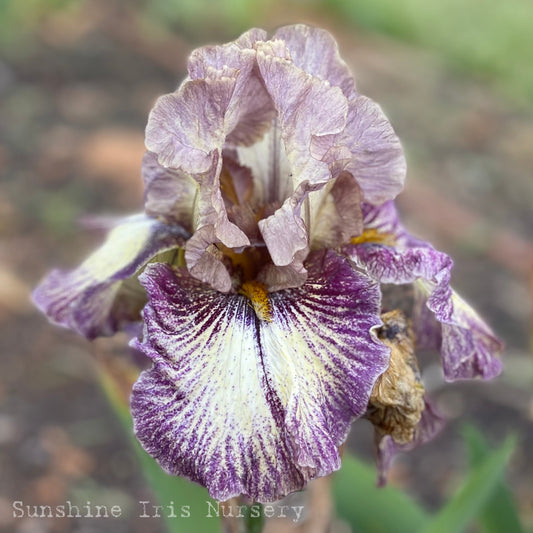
[{"x": 77, "y": 80}]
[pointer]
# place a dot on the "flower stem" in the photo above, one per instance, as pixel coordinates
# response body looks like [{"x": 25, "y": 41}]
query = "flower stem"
[{"x": 254, "y": 520}]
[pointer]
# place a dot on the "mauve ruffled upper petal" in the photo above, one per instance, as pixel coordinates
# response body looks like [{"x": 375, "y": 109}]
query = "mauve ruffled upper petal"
[
  {"x": 315, "y": 51},
  {"x": 185, "y": 128},
  {"x": 168, "y": 193},
  {"x": 250, "y": 111},
  {"x": 377, "y": 163},
  {"x": 307, "y": 107},
  {"x": 290, "y": 98}
]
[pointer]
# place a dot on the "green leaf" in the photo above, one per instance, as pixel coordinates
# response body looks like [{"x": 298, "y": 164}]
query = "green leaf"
[
  {"x": 197, "y": 515},
  {"x": 500, "y": 513},
  {"x": 369, "y": 509},
  {"x": 254, "y": 518},
  {"x": 475, "y": 493}
]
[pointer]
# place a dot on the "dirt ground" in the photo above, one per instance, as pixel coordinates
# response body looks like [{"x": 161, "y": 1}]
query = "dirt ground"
[{"x": 73, "y": 106}]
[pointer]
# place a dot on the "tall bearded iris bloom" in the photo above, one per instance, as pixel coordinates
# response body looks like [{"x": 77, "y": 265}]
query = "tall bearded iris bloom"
[{"x": 262, "y": 261}]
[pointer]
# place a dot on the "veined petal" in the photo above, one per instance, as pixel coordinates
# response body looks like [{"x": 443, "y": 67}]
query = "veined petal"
[
  {"x": 189, "y": 129},
  {"x": 185, "y": 128},
  {"x": 385, "y": 219},
  {"x": 307, "y": 107},
  {"x": 315, "y": 51},
  {"x": 389, "y": 264},
  {"x": 168, "y": 193},
  {"x": 251, "y": 110},
  {"x": 285, "y": 233},
  {"x": 469, "y": 348},
  {"x": 250, "y": 406},
  {"x": 212, "y": 226},
  {"x": 90, "y": 299},
  {"x": 204, "y": 261},
  {"x": 467, "y": 345},
  {"x": 377, "y": 163}
]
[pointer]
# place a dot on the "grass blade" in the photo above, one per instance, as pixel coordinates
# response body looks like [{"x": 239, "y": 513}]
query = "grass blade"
[
  {"x": 369, "y": 509},
  {"x": 500, "y": 513},
  {"x": 476, "y": 491}
]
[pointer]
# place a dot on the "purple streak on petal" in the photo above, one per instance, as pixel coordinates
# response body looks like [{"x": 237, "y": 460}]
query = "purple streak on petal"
[
  {"x": 469, "y": 348},
  {"x": 88, "y": 299},
  {"x": 405, "y": 265},
  {"x": 430, "y": 425},
  {"x": 383, "y": 218},
  {"x": 251, "y": 407}
]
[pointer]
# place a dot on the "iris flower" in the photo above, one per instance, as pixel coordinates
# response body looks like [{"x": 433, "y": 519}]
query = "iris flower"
[{"x": 264, "y": 260}]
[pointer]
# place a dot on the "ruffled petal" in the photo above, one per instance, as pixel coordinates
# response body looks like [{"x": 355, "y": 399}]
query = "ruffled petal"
[
  {"x": 339, "y": 217},
  {"x": 251, "y": 110},
  {"x": 315, "y": 51},
  {"x": 388, "y": 264},
  {"x": 205, "y": 261},
  {"x": 307, "y": 107},
  {"x": 222, "y": 104},
  {"x": 97, "y": 298},
  {"x": 185, "y": 128},
  {"x": 285, "y": 233},
  {"x": 377, "y": 163},
  {"x": 168, "y": 193},
  {"x": 253, "y": 406},
  {"x": 469, "y": 348}
]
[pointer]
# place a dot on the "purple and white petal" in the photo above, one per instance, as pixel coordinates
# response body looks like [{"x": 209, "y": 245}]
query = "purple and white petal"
[
  {"x": 94, "y": 299},
  {"x": 250, "y": 406},
  {"x": 389, "y": 264},
  {"x": 469, "y": 348}
]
